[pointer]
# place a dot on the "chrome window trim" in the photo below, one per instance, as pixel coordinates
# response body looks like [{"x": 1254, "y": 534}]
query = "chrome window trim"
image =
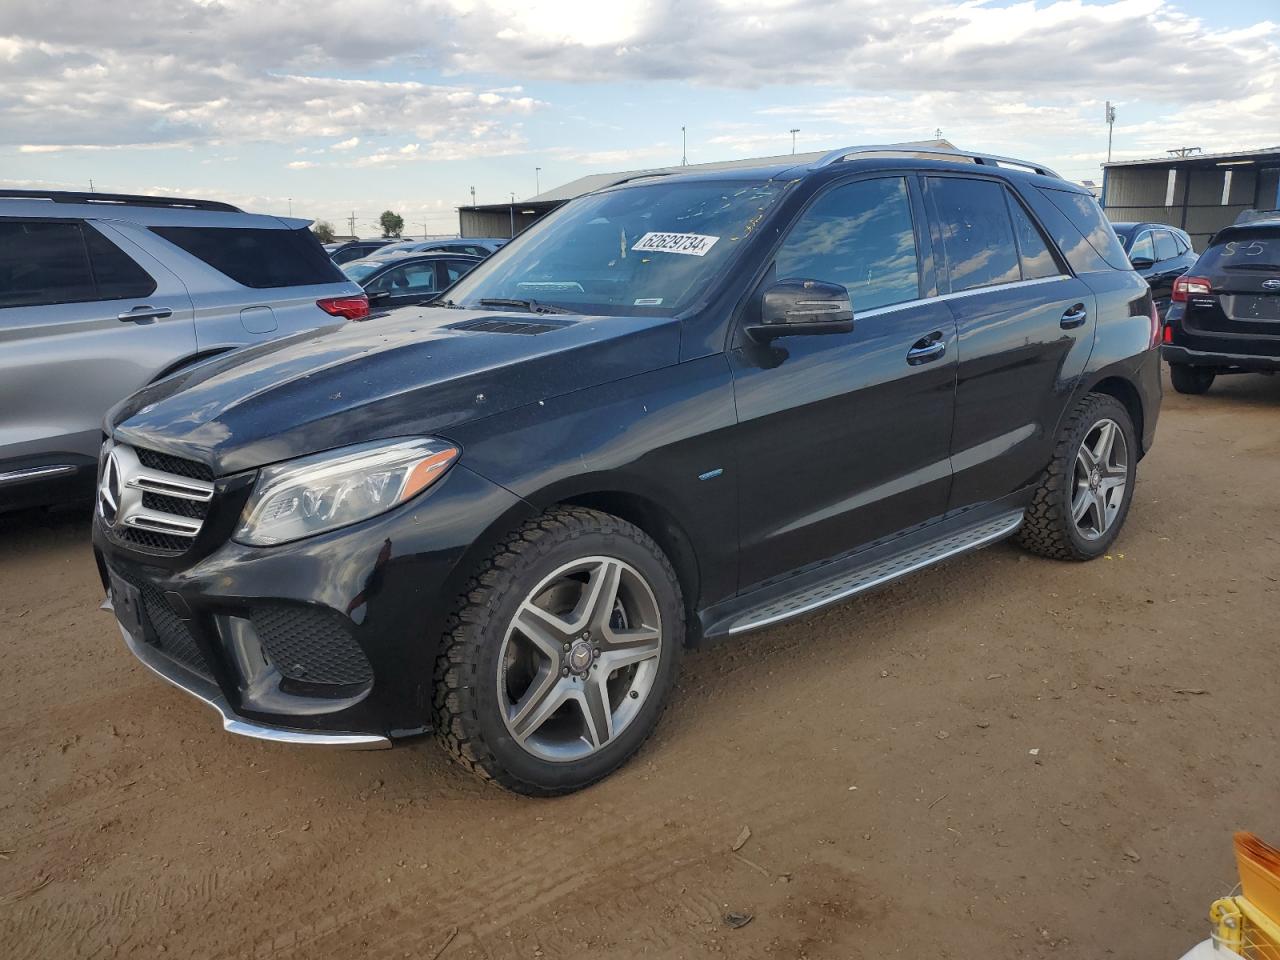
[{"x": 940, "y": 298}]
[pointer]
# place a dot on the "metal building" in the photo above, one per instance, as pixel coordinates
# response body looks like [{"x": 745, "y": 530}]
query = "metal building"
[
  {"x": 1200, "y": 192},
  {"x": 508, "y": 219}
]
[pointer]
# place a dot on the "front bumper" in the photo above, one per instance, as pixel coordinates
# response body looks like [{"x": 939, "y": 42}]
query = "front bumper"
[
  {"x": 1173, "y": 353},
  {"x": 329, "y": 640},
  {"x": 208, "y": 692}
]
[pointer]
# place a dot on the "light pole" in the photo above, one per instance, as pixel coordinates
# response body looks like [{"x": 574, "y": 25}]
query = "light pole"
[
  {"x": 291, "y": 206},
  {"x": 513, "y": 213},
  {"x": 684, "y": 148},
  {"x": 537, "y": 180},
  {"x": 1111, "y": 123},
  {"x": 473, "y": 196}
]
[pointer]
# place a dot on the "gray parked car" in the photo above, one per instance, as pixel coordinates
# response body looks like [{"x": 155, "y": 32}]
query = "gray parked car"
[{"x": 101, "y": 294}]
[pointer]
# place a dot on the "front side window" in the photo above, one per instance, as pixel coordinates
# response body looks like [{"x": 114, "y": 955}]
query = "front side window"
[
  {"x": 1143, "y": 248},
  {"x": 412, "y": 278},
  {"x": 859, "y": 235},
  {"x": 43, "y": 262},
  {"x": 977, "y": 235},
  {"x": 651, "y": 248}
]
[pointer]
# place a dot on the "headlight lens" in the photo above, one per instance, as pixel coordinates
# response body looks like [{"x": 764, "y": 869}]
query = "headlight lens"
[{"x": 329, "y": 490}]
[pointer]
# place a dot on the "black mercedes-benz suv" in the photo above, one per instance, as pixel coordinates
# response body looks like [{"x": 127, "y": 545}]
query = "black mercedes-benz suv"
[
  {"x": 678, "y": 409},
  {"x": 1225, "y": 314}
]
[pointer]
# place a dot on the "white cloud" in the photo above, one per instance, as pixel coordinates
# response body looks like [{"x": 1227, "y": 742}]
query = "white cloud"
[
  {"x": 348, "y": 144},
  {"x": 301, "y": 164}
]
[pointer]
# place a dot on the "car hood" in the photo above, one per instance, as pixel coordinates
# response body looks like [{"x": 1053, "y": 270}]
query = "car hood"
[{"x": 413, "y": 372}]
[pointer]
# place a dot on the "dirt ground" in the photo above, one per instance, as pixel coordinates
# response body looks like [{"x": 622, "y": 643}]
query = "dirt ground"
[{"x": 1002, "y": 757}]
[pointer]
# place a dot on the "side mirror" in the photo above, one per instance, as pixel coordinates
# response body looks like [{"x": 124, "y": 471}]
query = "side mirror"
[
  {"x": 794, "y": 307},
  {"x": 1142, "y": 263}
]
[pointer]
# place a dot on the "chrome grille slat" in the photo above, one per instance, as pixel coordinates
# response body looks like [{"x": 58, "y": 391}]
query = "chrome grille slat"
[{"x": 132, "y": 496}]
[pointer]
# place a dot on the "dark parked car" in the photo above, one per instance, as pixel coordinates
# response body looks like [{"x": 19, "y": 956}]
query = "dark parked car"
[
  {"x": 472, "y": 246},
  {"x": 1225, "y": 315},
  {"x": 1160, "y": 253},
  {"x": 397, "y": 281},
  {"x": 341, "y": 253},
  {"x": 679, "y": 409}
]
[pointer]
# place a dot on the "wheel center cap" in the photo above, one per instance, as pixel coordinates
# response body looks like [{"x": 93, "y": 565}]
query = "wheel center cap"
[
  {"x": 580, "y": 656},
  {"x": 1095, "y": 479}
]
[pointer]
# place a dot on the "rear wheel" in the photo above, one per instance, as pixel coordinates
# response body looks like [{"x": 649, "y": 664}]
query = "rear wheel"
[
  {"x": 1084, "y": 493},
  {"x": 557, "y": 664},
  {"x": 1189, "y": 379}
]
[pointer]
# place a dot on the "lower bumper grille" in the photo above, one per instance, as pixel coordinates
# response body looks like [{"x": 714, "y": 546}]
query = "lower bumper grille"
[
  {"x": 166, "y": 632},
  {"x": 311, "y": 645}
]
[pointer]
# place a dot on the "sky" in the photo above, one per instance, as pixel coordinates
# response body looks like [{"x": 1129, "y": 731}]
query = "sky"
[{"x": 325, "y": 108}]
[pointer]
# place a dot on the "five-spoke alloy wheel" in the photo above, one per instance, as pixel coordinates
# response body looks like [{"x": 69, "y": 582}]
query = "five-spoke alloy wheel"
[
  {"x": 1101, "y": 479},
  {"x": 557, "y": 664}
]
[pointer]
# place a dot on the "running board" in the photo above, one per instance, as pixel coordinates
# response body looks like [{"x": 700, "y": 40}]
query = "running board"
[{"x": 871, "y": 572}]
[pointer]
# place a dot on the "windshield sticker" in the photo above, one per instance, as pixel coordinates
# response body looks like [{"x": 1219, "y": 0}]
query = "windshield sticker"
[
  {"x": 648, "y": 301},
  {"x": 690, "y": 244},
  {"x": 551, "y": 286}
]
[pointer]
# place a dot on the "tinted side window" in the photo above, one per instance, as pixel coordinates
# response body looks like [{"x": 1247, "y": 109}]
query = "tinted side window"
[
  {"x": 1033, "y": 252},
  {"x": 1144, "y": 249},
  {"x": 258, "y": 257},
  {"x": 976, "y": 233},
  {"x": 43, "y": 262},
  {"x": 409, "y": 279},
  {"x": 456, "y": 268},
  {"x": 859, "y": 235},
  {"x": 1166, "y": 249},
  {"x": 1087, "y": 217},
  {"x": 119, "y": 278}
]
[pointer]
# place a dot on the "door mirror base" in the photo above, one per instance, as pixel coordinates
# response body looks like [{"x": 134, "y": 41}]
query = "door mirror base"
[{"x": 802, "y": 307}]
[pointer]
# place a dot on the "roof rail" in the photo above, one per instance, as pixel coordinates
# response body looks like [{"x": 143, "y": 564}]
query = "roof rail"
[
  {"x": 117, "y": 199},
  {"x": 939, "y": 153}
]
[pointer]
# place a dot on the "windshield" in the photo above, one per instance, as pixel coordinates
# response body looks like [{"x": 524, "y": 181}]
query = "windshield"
[
  {"x": 644, "y": 249},
  {"x": 1257, "y": 249},
  {"x": 359, "y": 269}
]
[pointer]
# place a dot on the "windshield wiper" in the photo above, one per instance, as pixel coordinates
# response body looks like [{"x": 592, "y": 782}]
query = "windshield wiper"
[
  {"x": 443, "y": 303},
  {"x": 532, "y": 306}
]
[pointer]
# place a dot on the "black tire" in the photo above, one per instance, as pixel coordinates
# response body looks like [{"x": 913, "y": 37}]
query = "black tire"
[
  {"x": 468, "y": 717},
  {"x": 1048, "y": 527},
  {"x": 1189, "y": 379}
]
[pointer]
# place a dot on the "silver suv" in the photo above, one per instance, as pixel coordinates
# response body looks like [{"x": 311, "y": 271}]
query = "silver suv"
[{"x": 101, "y": 294}]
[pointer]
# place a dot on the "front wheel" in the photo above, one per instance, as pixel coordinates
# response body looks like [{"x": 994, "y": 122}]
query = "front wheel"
[
  {"x": 557, "y": 664},
  {"x": 1189, "y": 379},
  {"x": 1084, "y": 493}
]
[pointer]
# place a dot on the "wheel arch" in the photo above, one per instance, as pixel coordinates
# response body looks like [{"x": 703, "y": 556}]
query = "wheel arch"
[
  {"x": 190, "y": 360},
  {"x": 1122, "y": 390}
]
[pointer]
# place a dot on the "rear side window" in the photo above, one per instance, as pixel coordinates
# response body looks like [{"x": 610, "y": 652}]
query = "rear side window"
[
  {"x": 977, "y": 235},
  {"x": 45, "y": 262},
  {"x": 1144, "y": 249},
  {"x": 1034, "y": 254},
  {"x": 118, "y": 277},
  {"x": 1086, "y": 216},
  {"x": 456, "y": 268},
  {"x": 1166, "y": 248},
  {"x": 859, "y": 235},
  {"x": 257, "y": 257}
]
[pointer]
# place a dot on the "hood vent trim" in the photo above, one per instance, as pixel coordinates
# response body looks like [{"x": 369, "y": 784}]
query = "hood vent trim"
[{"x": 527, "y": 328}]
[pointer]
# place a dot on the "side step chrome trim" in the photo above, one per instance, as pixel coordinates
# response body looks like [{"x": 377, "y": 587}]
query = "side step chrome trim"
[
  {"x": 208, "y": 693},
  {"x": 35, "y": 473},
  {"x": 864, "y": 578}
]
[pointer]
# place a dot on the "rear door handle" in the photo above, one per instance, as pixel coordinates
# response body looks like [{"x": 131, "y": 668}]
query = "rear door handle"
[
  {"x": 927, "y": 349},
  {"x": 144, "y": 314},
  {"x": 1074, "y": 317}
]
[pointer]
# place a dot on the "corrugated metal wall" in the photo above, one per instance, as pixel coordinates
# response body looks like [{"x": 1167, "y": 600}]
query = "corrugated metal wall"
[
  {"x": 492, "y": 223},
  {"x": 1139, "y": 193}
]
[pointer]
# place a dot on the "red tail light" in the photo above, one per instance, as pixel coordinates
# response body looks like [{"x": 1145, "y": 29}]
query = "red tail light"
[
  {"x": 353, "y": 308},
  {"x": 1168, "y": 334},
  {"x": 1186, "y": 286}
]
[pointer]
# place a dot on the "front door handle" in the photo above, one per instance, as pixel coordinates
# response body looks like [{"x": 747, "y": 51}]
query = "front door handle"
[
  {"x": 144, "y": 314},
  {"x": 927, "y": 349},
  {"x": 1074, "y": 317}
]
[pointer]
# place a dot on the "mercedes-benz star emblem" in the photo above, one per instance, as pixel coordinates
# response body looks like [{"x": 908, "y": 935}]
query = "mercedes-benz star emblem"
[{"x": 109, "y": 489}]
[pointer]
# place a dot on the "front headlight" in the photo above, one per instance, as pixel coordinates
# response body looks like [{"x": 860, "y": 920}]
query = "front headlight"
[{"x": 313, "y": 494}]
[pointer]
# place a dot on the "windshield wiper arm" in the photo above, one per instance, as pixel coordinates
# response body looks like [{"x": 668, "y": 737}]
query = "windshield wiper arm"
[{"x": 533, "y": 306}]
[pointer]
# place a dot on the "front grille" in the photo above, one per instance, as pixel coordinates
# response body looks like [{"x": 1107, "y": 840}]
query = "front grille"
[
  {"x": 151, "y": 501},
  {"x": 166, "y": 632},
  {"x": 166, "y": 463},
  {"x": 310, "y": 644}
]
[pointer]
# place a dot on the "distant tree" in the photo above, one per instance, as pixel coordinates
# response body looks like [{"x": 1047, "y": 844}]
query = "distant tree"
[
  {"x": 392, "y": 223},
  {"x": 323, "y": 230}
]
